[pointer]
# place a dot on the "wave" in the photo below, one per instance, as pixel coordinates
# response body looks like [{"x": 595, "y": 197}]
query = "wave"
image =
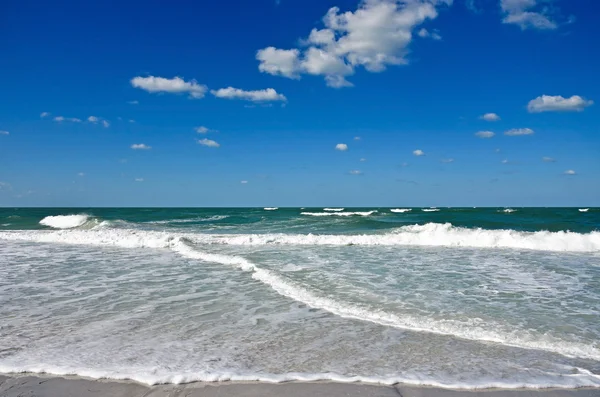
[
  {"x": 400, "y": 210},
  {"x": 65, "y": 221},
  {"x": 157, "y": 376},
  {"x": 430, "y": 209},
  {"x": 584, "y": 209},
  {"x": 429, "y": 234},
  {"x": 271, "y": 208},
  {"x": 508, "y": 210},
  {"x": 333, "y": 209},
  {"x": 189, "y": 220},
  {"x": 366, "y": 213},
  {"x": 184, "y": 244}
]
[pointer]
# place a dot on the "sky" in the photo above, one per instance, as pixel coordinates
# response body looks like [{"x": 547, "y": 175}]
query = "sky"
[{"x": 300, "y": 103}]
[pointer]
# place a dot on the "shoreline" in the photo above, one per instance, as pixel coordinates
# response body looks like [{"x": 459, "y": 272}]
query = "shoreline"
[{"x": 30, "y": 384}]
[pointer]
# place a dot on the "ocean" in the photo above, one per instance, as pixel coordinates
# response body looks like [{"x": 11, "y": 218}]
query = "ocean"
[{"x": 453, "y": 297}]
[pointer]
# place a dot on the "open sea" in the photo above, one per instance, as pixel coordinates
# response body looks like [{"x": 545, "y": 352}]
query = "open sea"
[{"x": 452, "y": 297}]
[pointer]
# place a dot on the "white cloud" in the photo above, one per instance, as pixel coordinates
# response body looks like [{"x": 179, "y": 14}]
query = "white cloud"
[
  {"x": 202, "y": 130},
  {"x": 140, "y": 146},
  {"x": 133, "y": 102},
  {"x": 484, "y": 134},
  {"x": 355, "y": 172},
  {"x": 548, "y": 159},
  {"x": 81, "y": 174},
  {"x": 424, "y": 33},
  {"x": 71, "y": 119},
  {"x": 4, "y": 133},
  {"x": 139, "y": 179},
  {"x": 208, "y": 142},
  {"x": 527, "y": 14},
  {"x": 519, "y": 131},
  {"x": 105, "y": 123},
  {"x": 374, "y": 36},
  {"x": 176, "y": 85},
  {"x": 570, "y": 172},
  {"x": 362, "y": 160},
  {"x": 490, "y": 117},
  {"x": 132, "y": 121},
  {"x": 93, "y": 119},
  {"x": 504, "y": 161},
  {"x": 5, "y": 186},
  {"x": 342, "y": 147},
  {"x": 279, "y": 62},
  {"x": 243, "y": 182},
  {"x": 357, "y": 138},
  {"x": 44, "y": 114},
  {"x": 266, "y": 95},
  {"x": 418, "y": 152},
  {"x": 548, "y": 103},
  {"x": 447, "y": 160}
]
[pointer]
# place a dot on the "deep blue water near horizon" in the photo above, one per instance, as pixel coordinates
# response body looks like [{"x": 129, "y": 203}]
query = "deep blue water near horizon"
[{"x": 453, "y": 297}]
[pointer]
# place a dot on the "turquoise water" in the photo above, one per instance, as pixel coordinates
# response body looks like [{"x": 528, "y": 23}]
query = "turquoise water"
[{"x": 456, "y": 297}]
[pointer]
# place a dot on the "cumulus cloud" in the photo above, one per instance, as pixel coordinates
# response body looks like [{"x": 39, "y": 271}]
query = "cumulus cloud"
[
  {"x": 484, "y": 134},
  {"x": 374, "y": 36},
  {"x": 208, "y": 142},
  {"x": 357, "y": 138},
  {"x": 5, "y": 186},
  {"x": 139, "y": 179},
  {"x": 266, "y": 95},
  {"x": 355, "y": 172},
  {"x": 4, "y": 132},
  {"x": 93, "y": 119},
  {"x": 424, "y": 33},
  {"x": 243, "y": 182},
  {"x": 519, "y": 131},
  {"x": 528, "y": 14},
  {"x": 342, "y": 147},
  {"x": 176, "y": 85},
  {"x": 490, "y": 117},
  {"x": 548, "y": 103},
  {"x": 418, "y": 152},
  {"x": 44, "y": 114},
  {"x": 548, "y": 160},
  {"x": 80, "y": 174},
  {"x": 59, "y": 119},
  {"x": 447, "y": 160},
  {"x": 505, "y": 161},
  {"x": 202, "y": 130},
  {"x": 570, "y": 172},
  {"x": 140, "y": 146},
  {"x": 362, "y": 160},
  {"x": 106, "y": 124}
]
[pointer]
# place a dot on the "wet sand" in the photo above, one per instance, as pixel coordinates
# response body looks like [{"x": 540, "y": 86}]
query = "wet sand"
[{"x": 27, "y": 385}]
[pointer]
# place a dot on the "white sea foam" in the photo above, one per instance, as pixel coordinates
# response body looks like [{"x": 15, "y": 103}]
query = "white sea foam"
[
  {"x": 190, "y": 220},
  {"x": 430, "y": 209},
  {"x": 333, "y": 209},
  {"x": 365, "y": 213},
  {"x": 65, "y": 221},
  {"x": 584, "y": 209},
  {"x": 508, "y": 210},
  {"x": 185, "y": 245},
  {"x": 400, "y": 210},
  {"x": 158, "y": 376},
  {"x": 271, "y": 208}
]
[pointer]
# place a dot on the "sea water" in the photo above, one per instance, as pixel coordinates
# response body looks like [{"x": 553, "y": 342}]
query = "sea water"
[{"x": 456, "y": 297}]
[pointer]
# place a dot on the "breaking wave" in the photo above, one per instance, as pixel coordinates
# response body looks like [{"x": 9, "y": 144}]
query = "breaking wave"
[
  {"x": 365, "y": 213},
  {"x": 400, "y": 210},
  {"x": 65, "y": 221}
]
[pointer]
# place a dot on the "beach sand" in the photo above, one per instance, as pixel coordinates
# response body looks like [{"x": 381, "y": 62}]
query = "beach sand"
[{"x": 27, "y": 385}]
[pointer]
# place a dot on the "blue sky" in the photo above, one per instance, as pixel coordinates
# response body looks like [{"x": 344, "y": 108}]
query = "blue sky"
[{"x": 278, "y": 85}]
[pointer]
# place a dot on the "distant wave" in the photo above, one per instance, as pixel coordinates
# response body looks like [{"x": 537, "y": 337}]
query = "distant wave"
[
  {"x": 430, "y": 209},
  {"x": 366, "y": 213},
  {"x": 65, "y": 221},
  {"x": 400, "y": 210},
  {"x": 584, "y": 209},
  {"x": 333, "y": 209},
  {"x": 271, "y": 208},
  {"x": 190, "y": 220},
  {"x": 185, "y": 245},
  {"x": 508, "y": 210}
]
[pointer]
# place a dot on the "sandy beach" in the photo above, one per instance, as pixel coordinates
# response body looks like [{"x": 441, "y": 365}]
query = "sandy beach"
[{"x": 21, "y": 385}]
